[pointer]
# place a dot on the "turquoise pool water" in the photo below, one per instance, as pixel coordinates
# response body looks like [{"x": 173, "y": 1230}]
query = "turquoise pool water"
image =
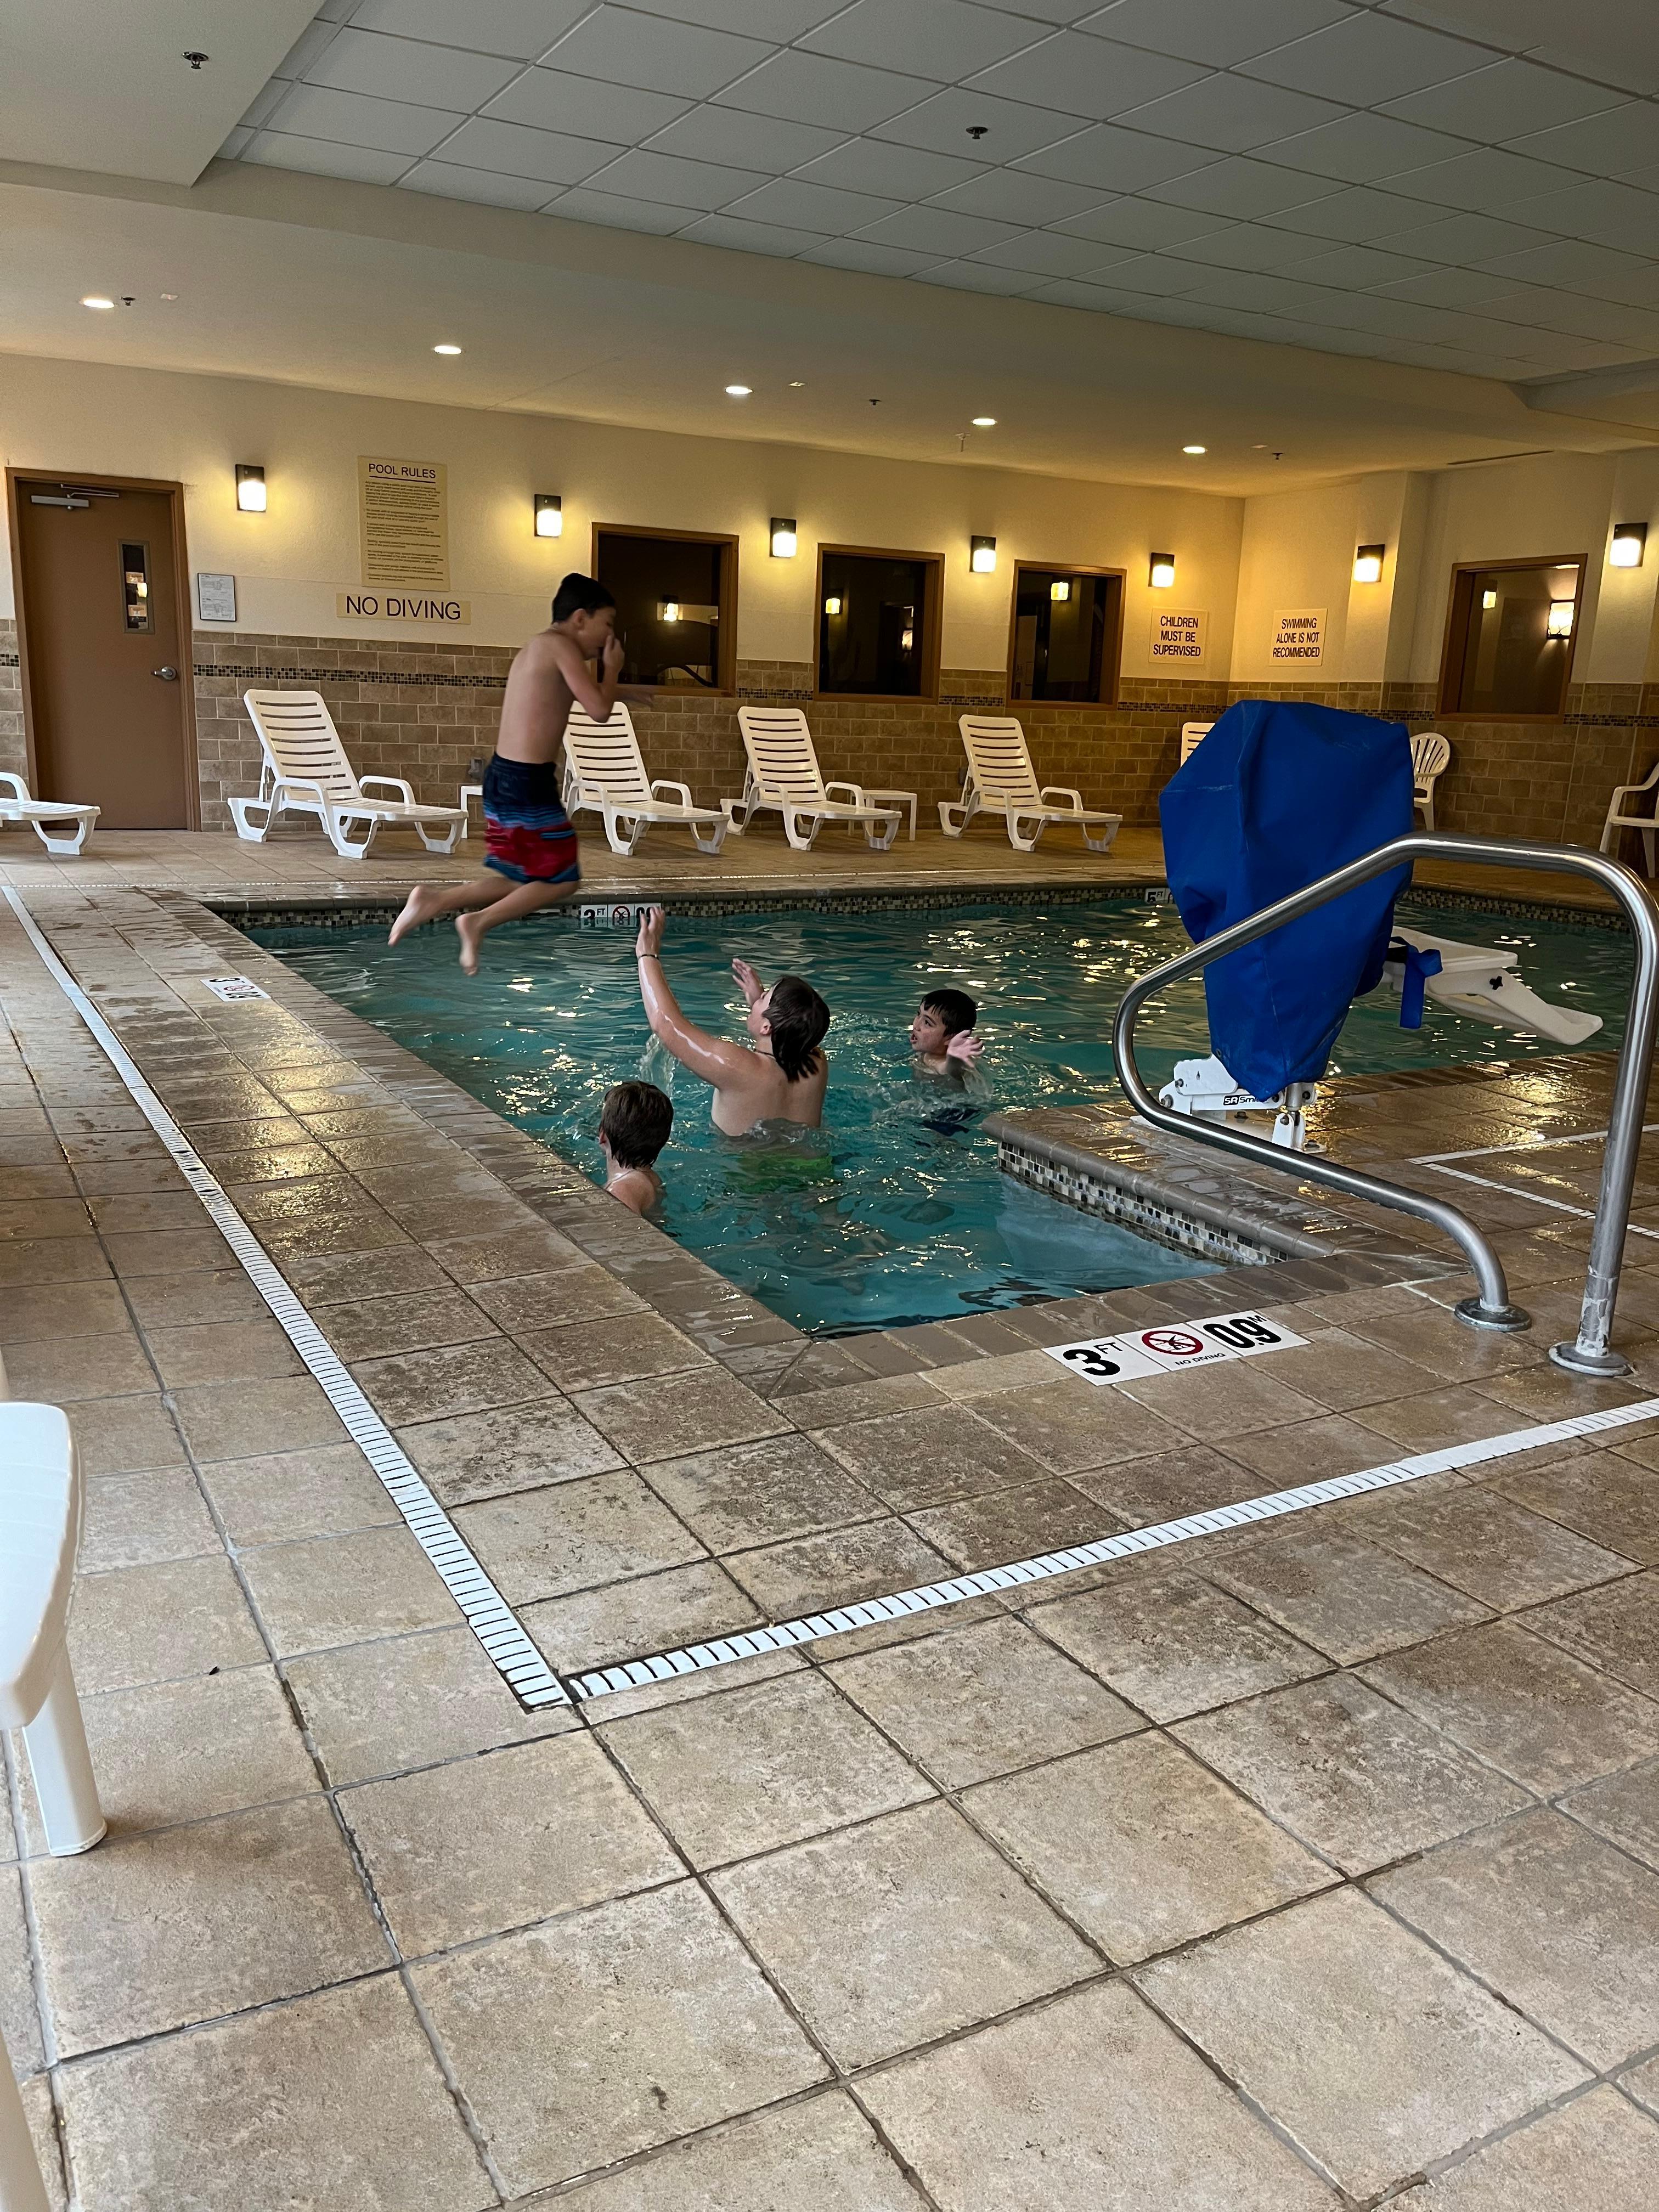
[{"x": 895, "y": 1211}]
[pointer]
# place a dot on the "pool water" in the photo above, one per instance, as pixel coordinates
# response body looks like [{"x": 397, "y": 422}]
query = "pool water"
[{"x": 895, "y": 1211}]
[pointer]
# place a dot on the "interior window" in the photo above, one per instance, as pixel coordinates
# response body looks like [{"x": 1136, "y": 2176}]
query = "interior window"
[
  {"x": 676, "y": 605},
  {"x": 134, "y": 587},
  {"x": 1511, "y": 644},
  {"x": 878, "y": 623},
  {"x": 1067, "y": 635}
]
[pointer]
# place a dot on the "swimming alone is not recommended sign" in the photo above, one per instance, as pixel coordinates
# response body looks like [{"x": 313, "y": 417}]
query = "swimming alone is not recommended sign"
[
  {"x": 1298, "y": 635},
  {"x": 1179, "y": 634}
]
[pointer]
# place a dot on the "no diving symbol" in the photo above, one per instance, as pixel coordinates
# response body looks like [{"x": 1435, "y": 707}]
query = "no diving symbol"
[{"x": 1173, "y": 1343}]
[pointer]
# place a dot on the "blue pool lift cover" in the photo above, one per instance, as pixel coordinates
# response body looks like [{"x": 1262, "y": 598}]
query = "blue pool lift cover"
[{"x": 1276, "y": 796}]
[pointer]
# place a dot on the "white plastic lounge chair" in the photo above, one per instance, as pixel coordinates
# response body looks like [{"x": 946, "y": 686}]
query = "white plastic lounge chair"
[
  {"x": 1646, "y": 825},
  {"x": 306, "y": 771},
  {"x": 40, "y": 1534},
  {"x": 604, "y": 773},
  {"x": 1430, "y": 757},
  {"x": 1193, "y": 735},
  {"x": 75, "y": 822},
  {"x": 784, "y": 777},
  {"x": 1000, "y": 779}
]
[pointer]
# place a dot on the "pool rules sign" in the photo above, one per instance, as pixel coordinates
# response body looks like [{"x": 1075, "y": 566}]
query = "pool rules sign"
[
  {"x": 402, "y": 514},
  {"x": 1171, "y": 1345}
]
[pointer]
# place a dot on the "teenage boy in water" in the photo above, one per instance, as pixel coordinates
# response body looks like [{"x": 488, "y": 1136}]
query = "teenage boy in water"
[
  {"x": 942, "y": 1034},
  {"x": 530, "y": 848},
  {"x": 636, "y": 1122},
  {"x": 779, "y": 1077}
]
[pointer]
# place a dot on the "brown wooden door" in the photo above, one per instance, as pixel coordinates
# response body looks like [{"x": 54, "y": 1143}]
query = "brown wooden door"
[{"x": 104, "y": 663}]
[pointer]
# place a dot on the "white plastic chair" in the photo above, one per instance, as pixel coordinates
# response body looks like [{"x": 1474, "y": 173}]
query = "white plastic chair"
[
  {"x": 37, "y": 812},
  {"x": 1646, "y": 825},
  {"x": 1193, "y": 735},
  {"x": 1430, "y": 757},
  {"x": 1001, "y": 780},
  {"x": 604, "y": 773},
  {"x": 306, "y": 771},
  {"x": 784, "y": 777},
  {"x": 40, "y": 1534}
]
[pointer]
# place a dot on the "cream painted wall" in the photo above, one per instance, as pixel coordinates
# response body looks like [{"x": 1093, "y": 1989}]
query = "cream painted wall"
[
  {"x": 1297, "y": 551},
  {"x": 289, "y": 562}
]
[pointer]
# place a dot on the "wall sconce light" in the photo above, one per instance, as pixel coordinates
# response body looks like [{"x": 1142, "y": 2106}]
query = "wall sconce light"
[
  {"x": 669, "y": 612},
  {"x": 1367, "y": 564},
  {"x": 782, "y": 527},
  {"x": 1061, "y": 591},
  {"x": 982, "y": 556},
  {"x": 550, "y": 514},
  {"x": 1560, "y": 621},
  {"x": 1162, "y": 572},
  {"x": 832, "y": 605},
  {"x": 1628, "y": 540},
  {"x": 250, "y": 488},
  {"x": 1488, "y": 600}
]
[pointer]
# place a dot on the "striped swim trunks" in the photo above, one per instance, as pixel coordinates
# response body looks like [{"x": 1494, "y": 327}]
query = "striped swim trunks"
[{"x": 527, "y": 833}]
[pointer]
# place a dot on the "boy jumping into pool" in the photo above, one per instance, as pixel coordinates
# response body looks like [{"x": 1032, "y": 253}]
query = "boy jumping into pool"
[
  {"x": 781, "y": 1077},
  {"x": 529, "y": 845},
  {"x": 636, "y": 1122},
  {"x": 942, "y": 1034}
]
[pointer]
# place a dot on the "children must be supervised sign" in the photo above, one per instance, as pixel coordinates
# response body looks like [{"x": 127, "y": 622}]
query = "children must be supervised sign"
[
  {"x": 1298, "y": 635},
  {"x": 1179, "y": 634}
]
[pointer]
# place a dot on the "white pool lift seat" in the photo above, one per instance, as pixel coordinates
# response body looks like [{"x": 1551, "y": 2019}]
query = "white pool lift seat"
[
  {"x": 1000, "y": 779},
  {"x": 306, "y": 771},
  {"x": 604, "y": 774},
  {"x": 784, "y": 778},
  {"x": 1485, "y": 982},
  {"x": 75, "y": 822},
  {"x": 1193, "y": 735},
  {"x": 1644, "y": 821},
  {"x": 1430, "y": 757}
]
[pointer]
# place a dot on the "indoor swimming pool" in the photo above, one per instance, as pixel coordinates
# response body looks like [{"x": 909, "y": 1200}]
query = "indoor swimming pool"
[{"x": 895, "y": 1211}]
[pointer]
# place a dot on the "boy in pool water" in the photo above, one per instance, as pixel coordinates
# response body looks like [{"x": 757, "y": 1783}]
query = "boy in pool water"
[
  {"x": 529, "y": 847},
  {"x": 779, "y": 1077},
  {"x": 635, "y": 1124},
  {"x": 942, "y": 1034}
]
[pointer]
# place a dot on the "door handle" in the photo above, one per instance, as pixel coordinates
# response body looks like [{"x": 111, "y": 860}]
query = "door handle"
[{"x": 167, "y": 675}]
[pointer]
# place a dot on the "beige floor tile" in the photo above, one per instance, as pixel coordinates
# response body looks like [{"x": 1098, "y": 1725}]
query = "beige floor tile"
[
  {"x": 1530, "y": 1709},
  {"x": 899, "y": 1930},
  {"x": 635, "y": 1619},
  {"x": 485, "y": 1844},
  {"x": 43, "y": 1310},
  {"x": 124, "y": 1435},
  {"x": 1172, "y": 1643},
  {"x": 509, "y": 1448},
  {"x": 26, "y": 1260},
  {"x": 972, "y": 1702},
  {"x": 1348, "y": 1773},
  {"x": 125, "y": 1216},
  {"x": 760, "y": 1766},
  {"x": 1615, "y": 1628},
  {"x": 913, "y": 1461},
  {"x": 1310, "y": 1451},
  {"x": 1019, "y": 1522},
  {"x": 1606, "y": 1495},
  {"x": 329, "y": 1278},
  {"x": 166, "y": 1252},
  {"x": 587, "y": 1355},
  {"x": 1068, "y": 1426},
  {"x": 1498, "y": 1552},
  {"x": 336, "y": 2099},
  {"x": 137, "y": 1519},
  {"x": 1216, "y": 1403},
  {"x": 42, "y": 2119},
  {"x": 1559, "y": 1923},
  {"x": 577, "y": 1291},
  {"x": 206, "y": 1295},
  {"x": 1166, "y": 1485},
  {"x": 344, "y": 1589},
  {"x": 323, "y": 1492},
  {"x": 600, "y": 2035},
  {"x": 19, "y": 2018},
  {"x": 837, "y": 1567},
  {"x": 697, "y": 1411},
  {"x": 761, "y": 1493},
  {"x": 834, "y": 1404},
  {"x": 1430, "y": 1420},
  {"x": 408, "y": 1701},
  {"x": 1344, "y": 1597},
  {"x": 149, "y": 1624},
  {"x": 574, "y": 1535},
  {"x": 1376, "y": 2054},
  {"x": 239, "y": 1420},
  {"x": 1625, "y": 1808},
  {"x": 151, "y": 1932},
  {"x": 1012, "y": 2119},
  {"x": 442, "y": 1384},
  {"x": 418, "y": 1320},
  {"x": 1642, "y": 2083},
  {"x": 1596, "y": 2155},
  {"x": 61, "y": 1372},
  {"x": 1343, "y": 1371},
  {"x": 1142, "y": 1847},
  {"x": 524, "y": 1259},
  {"x": 223, "y": 1351},
  {"x": 819, "y": 2156},
  {"x": 41, "y": 1218}
]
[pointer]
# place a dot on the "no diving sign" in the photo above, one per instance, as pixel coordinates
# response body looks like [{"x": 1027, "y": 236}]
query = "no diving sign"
[{"x": 1166, "y": 1349}]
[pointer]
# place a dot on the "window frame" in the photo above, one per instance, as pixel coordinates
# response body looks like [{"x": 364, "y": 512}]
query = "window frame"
[
  {"x": 933, "y": 627},
  {"x": 1112, "y": 653},
  {"x": 1455, "y": 645},
  {"x": 726, "y": 542}
]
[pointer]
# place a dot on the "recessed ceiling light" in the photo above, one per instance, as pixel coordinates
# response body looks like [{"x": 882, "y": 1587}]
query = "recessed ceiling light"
[
  {"x": 446, "y": 349},
  {"x": 169, "y": 295},
  {"x": 96, "y": 299},
  {"x": 798, "y": 384},
  {"x": 985, "y": 422},
  {"x": 1195, "y": 449},
  {"x": 738, "y": 390}
]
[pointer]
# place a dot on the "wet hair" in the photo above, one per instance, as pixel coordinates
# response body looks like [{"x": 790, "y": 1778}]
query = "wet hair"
[
  {"x": 634, "y": 1120},
  {"x": 956, "y": 1010},
  {"x": 798, "y": 1019},
  {"x": 581, "y": 595}
]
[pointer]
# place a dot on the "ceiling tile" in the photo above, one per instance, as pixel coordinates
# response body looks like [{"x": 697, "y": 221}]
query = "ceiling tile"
[
  {"x": 1502, "y": 100},
  {"x": 1451, "y": 288},
  {"x": 1047, "y": 253},
  {"x": 617, "y": 213},
  {"x": 321, "y": 157},
  {"x": 1375, "y": 311},
  {"x": 1152, "y": 275},
  {"x": 815, "y": 89},
  {"x": 744, "y": 141},
  {"x": 1117, "y": 161},
  {"x": 939, "y": 39},
  {"x": 1606, "y": 145},
  {"x": 1611, "y": 214},
  {"x": 1491, "y": 180},
  {"x": 742, "y": 237},
  {"x": 1355, "y": 215},
  {"x": 873, "y": 260},
  {"x": 1013, "y": 196},
  {"x": 903, "y": 173},
  {"x": 777, "y": 20},
  {"x": 1013, "y": 130},
  {"x": 266, "y": 102},
  {"x": 450, "y": 182},
  {"x": 1254, "y": 291},
  {"x": 402, "y": 69},
  {"x": 1096, "y": 298},
  {"x": 796, "y": 206},
  {"x": 307, "y": 49},
  {"x": 1086, "y": 77},
  {"x": 1366, "y": 59},
  {"x": 231, "y": 150},
  {"x": 1358, "y": 266},
  {"x": 935, "y": 230},
  {"x": 522, "y": 152},
  {"x": 312, "y": 111},
  {"x": 523, "y": 30},
  {"x": 1577, "y": 267},
  {"x": 1534, "y": 306},
  {"x": 1362, "y": 149},
  {"x": 1616, "y": 41},
  {"x": 619, "y": 47},
  {"x": 976, "y": 277},
  {"x": 1551, "y": 350},
  {"x": 1231, "y": 114},
  {"x": 1463, "y": 238},
  {"x": 1245, "y": 245},
  {"x": 1219, "y": 32},
  {"x": 551, "y": 101},
  {"x": 644, "y": 176},
  {"x": 1240, "y": 188},
  {"x": 1141, "y": 223}
]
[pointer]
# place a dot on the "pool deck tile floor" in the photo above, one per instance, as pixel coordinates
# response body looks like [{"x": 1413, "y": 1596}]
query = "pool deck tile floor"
[{"x": 1310, "y": 1866}]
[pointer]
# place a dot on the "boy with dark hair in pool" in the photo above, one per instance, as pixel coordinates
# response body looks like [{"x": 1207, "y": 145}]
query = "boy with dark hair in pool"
[
  {"x": 779, "y": 1077},
  {"x": 635, "y": 1121},
  {"x": 530, "y": 848},
  {"x": 942, "y": 1034}
]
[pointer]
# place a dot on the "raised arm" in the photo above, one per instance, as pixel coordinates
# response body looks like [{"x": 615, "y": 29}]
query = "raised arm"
[
  {"x": 596, "y": 695},
  {"x": 711, "y": 1058}
]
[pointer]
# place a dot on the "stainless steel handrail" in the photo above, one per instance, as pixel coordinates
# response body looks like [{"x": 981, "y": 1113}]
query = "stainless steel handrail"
[{"x": 1589, "y": 1353}]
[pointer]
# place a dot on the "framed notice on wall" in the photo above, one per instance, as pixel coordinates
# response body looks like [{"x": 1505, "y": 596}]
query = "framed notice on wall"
[
  {"x": 1298, "y": 636},
  {"x": 402, "y": 514},
  {"x": 1179, "y": 635}
]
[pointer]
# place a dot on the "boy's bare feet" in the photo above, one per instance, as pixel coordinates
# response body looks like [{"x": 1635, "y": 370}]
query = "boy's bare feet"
[
  {"x": 470, "y": 928},
  {"x": 420, "y": 905}
]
